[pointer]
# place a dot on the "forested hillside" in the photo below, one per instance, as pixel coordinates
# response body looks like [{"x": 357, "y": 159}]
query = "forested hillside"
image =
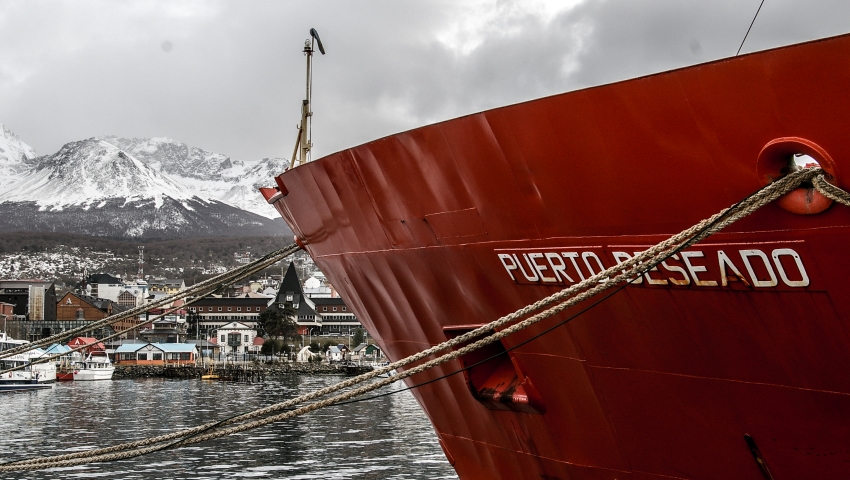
[{"x": 64, "y": 257}]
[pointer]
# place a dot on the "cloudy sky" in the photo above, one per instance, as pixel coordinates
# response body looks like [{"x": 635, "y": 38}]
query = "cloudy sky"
[{"x": 228, "y": 76}]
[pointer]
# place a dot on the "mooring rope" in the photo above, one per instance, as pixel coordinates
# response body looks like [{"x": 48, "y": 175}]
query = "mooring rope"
[
  {"x": 636, "y": 266},
  {"x": 830, "y": 191},
  {"x": 204, "y": 287},
  {"x": 244, "y": 273}
]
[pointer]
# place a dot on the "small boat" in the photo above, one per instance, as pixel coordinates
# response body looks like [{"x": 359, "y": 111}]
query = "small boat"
[
  {"x": 22, "y": 383},
  {"x": 385, "y": 374},
  {"x": 210, "y": 375},
  {"x": 66, "y": 363},
  {"x": 95, "y": 367},
  {"x": 31, "y": 376}
]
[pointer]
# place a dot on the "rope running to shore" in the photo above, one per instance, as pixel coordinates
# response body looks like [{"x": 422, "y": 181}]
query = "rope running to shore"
[
  {"x": 201, "y": 288},
  {"x": 254, "y": 268},
  {"x": 632, "y": 268}
]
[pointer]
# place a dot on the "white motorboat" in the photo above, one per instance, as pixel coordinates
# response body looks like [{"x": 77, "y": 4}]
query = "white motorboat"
[
  {"x": 96, "y": 366},
  {"x": 31, "y": 376}
]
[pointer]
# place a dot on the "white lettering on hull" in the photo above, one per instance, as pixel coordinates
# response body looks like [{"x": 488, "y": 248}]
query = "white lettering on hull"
[{"x": 732, "y": 266}]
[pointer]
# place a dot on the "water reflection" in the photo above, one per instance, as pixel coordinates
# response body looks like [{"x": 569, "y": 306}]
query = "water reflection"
[{"x": 386, "y": 438}]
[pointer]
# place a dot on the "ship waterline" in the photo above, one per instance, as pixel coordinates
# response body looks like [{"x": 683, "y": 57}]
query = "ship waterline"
[{"x": 726, "y": 358}]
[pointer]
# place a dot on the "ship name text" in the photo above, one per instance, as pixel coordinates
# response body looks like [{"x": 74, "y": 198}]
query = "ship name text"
[{"x": 732, "y": 266}]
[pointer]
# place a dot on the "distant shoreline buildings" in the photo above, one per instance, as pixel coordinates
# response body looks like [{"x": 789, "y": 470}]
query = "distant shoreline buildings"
[{"x": 215, "y": 319}]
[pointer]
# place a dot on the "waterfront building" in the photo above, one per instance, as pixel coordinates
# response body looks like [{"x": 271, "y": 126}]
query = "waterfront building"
[
  {"x": 337, "y": 353},
  {"x": 337, "y": 318},
  {"x": 236, "y": 338},
  {"x": 92, "y": 344},
  {"x": 93, "y": 308},
  {"x": 169, "y": 329},
  {"x": 156, "y": 354},
  {"x": 7, "y": 312},
  {"x": 211, "y": 313},
  {"x": 206, "y": 348},
  {"x": 71, "y": 311},
  {"x": 367, "y": 353},
  {"x": 32, "y": 299}
]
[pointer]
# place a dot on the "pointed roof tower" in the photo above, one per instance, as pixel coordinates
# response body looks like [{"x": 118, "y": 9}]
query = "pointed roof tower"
[{"x": 290, "y": 287}]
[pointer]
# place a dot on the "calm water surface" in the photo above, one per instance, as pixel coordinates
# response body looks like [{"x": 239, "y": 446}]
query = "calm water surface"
[{"x": 386, "y": 438}]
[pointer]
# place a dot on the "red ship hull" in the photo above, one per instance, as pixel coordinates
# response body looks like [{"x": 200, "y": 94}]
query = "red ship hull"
[{"x": 723, "y": 360}]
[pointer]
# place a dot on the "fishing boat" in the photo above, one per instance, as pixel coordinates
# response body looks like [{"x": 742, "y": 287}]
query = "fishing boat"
[
  {"x": 96, "y": 366},
  {"x": 28, "y": 376},
  {"x": 728, "y": 360},
  {"x": 66, "y": 362}
]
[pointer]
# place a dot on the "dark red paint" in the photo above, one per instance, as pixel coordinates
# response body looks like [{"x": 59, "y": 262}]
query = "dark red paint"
[{"x": 657, "y": 382}]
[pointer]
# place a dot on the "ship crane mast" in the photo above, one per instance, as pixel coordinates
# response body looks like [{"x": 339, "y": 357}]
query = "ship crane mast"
[{"x": 303, "y": 143}]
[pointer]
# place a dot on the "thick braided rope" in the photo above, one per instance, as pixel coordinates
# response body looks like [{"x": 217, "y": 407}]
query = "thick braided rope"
[
  {"x": 602, "y": 281},
  {"x": 203, "y": 287},
  {"x": 830, "y": 191},
  {"x": 198, "y": 298},
  {"x": 652, "y": 257},
  {"x": 232, "y": 275},
  {"x": 243, "y": 272},
  {"x": 48, "y": 358},
  {"x": 255, "y": 268}
]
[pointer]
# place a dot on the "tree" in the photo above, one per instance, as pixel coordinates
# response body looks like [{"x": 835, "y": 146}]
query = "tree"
[
  {"x": 276, "y": 323},
  {"x": 272, "y": 347},
  {"x": 359, "y": 336}
]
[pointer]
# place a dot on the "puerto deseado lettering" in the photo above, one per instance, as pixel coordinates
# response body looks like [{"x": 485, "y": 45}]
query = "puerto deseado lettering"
[{"x": 730, "y": 266}]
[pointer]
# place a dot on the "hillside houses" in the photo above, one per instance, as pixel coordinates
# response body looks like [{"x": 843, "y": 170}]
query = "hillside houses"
[
  {"x": 168, "y": 286},
  {"x": 226, "y": 323}
]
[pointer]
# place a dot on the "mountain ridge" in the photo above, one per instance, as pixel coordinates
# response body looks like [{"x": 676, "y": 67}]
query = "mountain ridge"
[{"x": 137, "y": 188}]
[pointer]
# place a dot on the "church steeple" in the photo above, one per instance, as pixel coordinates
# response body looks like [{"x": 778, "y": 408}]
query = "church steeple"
[{"x": 290, "y": 287}]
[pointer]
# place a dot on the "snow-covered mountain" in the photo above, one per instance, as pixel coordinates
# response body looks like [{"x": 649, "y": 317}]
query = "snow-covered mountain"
[
  {"x": 15, "y": 156},
  {"x": 114, "y": 186},
  {"x": 208, "y": 174},
  {"x": 88, "y": 173}
]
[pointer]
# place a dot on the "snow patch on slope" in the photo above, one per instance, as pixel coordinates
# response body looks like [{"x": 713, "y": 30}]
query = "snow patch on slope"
[
  {"x": 86, "y": 173},
  {"x": 15, "y": 156}
]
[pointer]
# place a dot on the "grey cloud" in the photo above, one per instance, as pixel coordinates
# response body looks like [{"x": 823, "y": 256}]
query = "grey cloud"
[{"x": 232, "y": 81}]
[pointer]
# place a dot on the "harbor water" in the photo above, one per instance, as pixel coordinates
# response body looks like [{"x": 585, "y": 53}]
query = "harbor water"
[{"x": 384, "y": 438}]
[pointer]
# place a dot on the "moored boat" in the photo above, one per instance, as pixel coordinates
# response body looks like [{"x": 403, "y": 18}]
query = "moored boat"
[
  {"x": 28, "y": 375},
  {"x": 726, "y": 361},
  {"x": 66, "y": 361},
  {"x": 96, "y": 366}
]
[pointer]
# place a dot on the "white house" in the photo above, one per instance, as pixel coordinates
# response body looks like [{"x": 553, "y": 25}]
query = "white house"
[
  {"x": 156, "y": 353},
  {"x": 334, "y": 354},
  {"x": 337, "y": 353},
  {"x": 236, "y": 338}
]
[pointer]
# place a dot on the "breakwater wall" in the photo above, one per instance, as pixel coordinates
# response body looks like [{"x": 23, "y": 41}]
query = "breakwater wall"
[{"x": 246, "y": 372}]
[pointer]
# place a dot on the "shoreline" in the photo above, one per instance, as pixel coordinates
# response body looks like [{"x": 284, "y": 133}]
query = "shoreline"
[{"x": 248, "y": 371}]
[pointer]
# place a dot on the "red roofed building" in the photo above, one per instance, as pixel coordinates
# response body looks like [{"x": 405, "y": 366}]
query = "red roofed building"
[{"x": 94, "y": 345}]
